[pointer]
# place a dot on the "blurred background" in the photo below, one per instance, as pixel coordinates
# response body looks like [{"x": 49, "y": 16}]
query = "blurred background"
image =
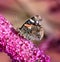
[{"x": 13, "y": 12}]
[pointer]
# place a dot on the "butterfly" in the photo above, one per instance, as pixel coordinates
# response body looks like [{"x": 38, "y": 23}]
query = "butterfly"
[{"x": 32, "y": 29}]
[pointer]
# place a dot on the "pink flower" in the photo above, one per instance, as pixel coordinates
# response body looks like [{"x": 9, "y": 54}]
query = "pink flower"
[{"x": 17, "y": 47}]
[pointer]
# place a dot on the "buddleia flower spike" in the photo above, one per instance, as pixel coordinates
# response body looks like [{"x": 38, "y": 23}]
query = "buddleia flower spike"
[{"x": 17, "y": 47}]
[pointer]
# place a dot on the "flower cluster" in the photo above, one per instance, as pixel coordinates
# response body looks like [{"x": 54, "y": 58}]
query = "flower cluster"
[{"x": 17, "y": 47}]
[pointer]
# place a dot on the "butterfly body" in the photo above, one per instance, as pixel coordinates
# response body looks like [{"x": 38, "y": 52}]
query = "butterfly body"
[{"x": 32, "y": 29}]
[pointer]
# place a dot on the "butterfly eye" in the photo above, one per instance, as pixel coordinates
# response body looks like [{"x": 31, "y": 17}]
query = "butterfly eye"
[{"x": 32, "y": 29}]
